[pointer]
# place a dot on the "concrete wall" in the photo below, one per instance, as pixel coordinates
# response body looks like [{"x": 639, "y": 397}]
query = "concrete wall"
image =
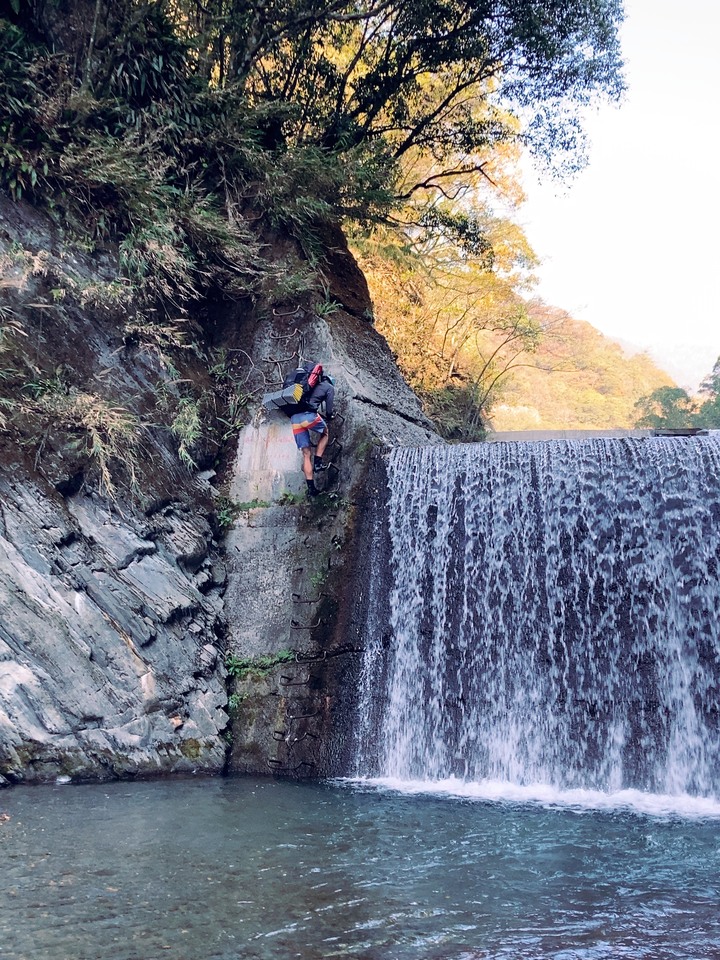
[{"x": 520, "y": 435}]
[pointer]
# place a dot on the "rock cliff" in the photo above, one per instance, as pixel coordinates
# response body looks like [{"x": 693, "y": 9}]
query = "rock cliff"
[{"x": 121, "y": 605}]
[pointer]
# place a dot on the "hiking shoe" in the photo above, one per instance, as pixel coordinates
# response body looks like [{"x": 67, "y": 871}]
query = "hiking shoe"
[{"x": 319, "y": 467}]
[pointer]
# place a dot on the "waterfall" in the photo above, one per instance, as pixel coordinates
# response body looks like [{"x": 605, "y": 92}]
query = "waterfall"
[{"x": 550, "y": 616}]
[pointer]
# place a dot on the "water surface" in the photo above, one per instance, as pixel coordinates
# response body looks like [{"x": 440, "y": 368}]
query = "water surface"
[{"x": 226, "y": 869}]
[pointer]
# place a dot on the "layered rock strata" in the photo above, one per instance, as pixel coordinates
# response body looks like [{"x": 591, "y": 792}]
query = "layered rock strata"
[{"x": 119, "y": 612}]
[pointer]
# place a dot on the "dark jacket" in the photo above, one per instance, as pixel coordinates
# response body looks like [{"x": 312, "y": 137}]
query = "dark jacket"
[{"x": 324, "y": 392}]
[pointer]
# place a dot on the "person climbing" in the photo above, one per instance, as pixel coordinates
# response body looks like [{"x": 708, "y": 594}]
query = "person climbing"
[{"x": 307, "y": 419}]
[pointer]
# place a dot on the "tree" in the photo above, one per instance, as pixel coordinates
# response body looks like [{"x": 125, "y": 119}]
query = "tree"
[
  {"x": 154, "y": 119},
  {"x": 431, "y": 74},
  {"x": 667, "y": 408},
  {"x": 438, "y": 75},
  {"x": 455, "y": 316},
  {"x": 577, "y": 379},
  {"x": 709, "y": 412},
  {"x": 672, "y": 407}
]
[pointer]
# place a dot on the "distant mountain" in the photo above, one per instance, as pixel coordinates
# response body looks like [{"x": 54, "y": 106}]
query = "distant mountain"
[
  {"x": 580, "y": 379},
  {"x": 687, "y": 363}
]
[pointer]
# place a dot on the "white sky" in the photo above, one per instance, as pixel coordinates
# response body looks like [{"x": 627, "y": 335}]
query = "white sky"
[{"x": 632, "y": 244}]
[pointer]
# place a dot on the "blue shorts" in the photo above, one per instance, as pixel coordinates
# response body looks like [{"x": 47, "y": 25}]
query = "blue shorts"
[{"x": 302, "y": 424}]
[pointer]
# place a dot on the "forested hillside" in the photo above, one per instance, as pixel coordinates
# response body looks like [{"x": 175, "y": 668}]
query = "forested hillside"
[
  {"x": 210, "y": 145},
  {"x": 577, "y": 379},
  {"x": 490, "y": 358}
]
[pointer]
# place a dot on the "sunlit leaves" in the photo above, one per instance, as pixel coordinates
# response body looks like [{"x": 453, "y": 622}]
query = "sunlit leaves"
[{"x": 449, "y": 301}]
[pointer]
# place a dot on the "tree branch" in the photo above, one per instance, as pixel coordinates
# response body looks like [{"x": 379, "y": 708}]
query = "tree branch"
[{"x": 430, "y": 183}]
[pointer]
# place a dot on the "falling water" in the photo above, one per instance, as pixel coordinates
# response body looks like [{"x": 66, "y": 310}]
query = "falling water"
[{"x": 553, "y": 617}]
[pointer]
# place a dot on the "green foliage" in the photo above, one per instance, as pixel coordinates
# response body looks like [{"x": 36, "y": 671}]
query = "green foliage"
[
  {"x": 113, "y": 164},
  {"x": 303, "y": 110},
  {"x": 108, "y": 435},
  {"x": 710, "y": 386},
  {"x": 239, "y": 668},
  {"x": 319, "y": 579},
  {"x": 181, "y": 133},
  {"x": 708, "y": 415},
  {"x": 234, "y": 702},
  {"x": 231, "y": 389},
  {"x": 458, "y": 412},
  {"x": 414, "y": 73},
  {"x": 22, "y": 160},
  {"x": 290, "y": 282},
  {"x": 186, "y": 427},
  {"x": 666, "y": 408},
  {"x": 146, "y": 70},
  {"x": 219, "y": 366},
  {"x": 671, "y": 408},
  {"x": 326, "y": 308},
  {"x": 10, "y": 331},
  {"x": 288, "y": 499},
  {"x": 337, "y": 500},
  {"x": 171, "y": 241},
  {"x": 228, "y": 510},
  {"x": 465, "y": 230},
  {"x": 236, "y": 409}
]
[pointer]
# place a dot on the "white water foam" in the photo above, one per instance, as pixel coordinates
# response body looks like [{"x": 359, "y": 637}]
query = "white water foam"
[
  {"x": 550, "y": 618},
  {"x": 497, "y": 791}
]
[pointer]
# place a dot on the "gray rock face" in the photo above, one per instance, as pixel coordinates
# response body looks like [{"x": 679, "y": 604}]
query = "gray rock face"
[
  {"x": 293, "y": 573},
  {"x": 108, "y": 662},
  {"x": 110, "y": 610},
  {"x": 273, "y": 557},
  {"x": 115, "y": 619}
]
